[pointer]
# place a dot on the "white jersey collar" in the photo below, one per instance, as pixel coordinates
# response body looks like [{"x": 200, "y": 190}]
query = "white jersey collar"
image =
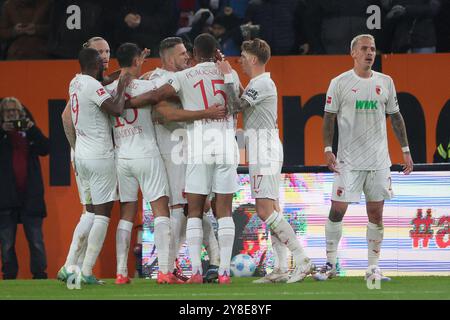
[
  {"x": 206, "y": 63},
  {"x": 262, "y": 75},
  {"x": 363, "y": 79}
]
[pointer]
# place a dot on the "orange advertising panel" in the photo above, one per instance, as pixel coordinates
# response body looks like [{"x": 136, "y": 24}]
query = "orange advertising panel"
[{"x": 422, "y": 82}]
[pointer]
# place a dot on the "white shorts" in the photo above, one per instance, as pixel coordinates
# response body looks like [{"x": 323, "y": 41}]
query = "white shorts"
[
  {"x": 85, "y": 197},
  {"x": 206, "y": 178},
  {"x": 148, "y": 174},
  {"x": 98, "y": 179},
  {"x": 176, "y": 176},
  {"x": 376, "y": 185},
  {"x": 265, "y": 185}
]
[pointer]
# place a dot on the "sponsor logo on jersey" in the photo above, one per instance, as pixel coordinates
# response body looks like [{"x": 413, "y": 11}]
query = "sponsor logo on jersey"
[
  {"x": 329, "y": 100},
  {"x": 366, "y": 105},
  {"x": 252, "y": 93},
  {"x": 378, "y": 90},
  {"x": 101, "y": 92},
  {"x": 354, "y": 90}
]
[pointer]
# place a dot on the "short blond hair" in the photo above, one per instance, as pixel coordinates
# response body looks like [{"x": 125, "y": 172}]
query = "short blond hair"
[
  {"x": 359, "y": 37},
  {"x": 88, "y": 43},
  {"x": 258, "y": 48},
  {"x": 18, "y": 104}
]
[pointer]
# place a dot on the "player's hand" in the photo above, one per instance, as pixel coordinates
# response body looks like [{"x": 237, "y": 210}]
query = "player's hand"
[
  {"x": 219, "y": 56},
  {"x": 144, "y": 54},
  {"x": 7, "y": 126},
  {"x": 330, "y": 159},
  {"x": 224, "y": 66},
  {"x": 409, "y": 164},
  {"x": 216, "y": 111}
]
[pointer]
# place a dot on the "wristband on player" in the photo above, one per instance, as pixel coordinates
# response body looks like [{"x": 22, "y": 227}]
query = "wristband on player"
[
  {"x": 228, "y": 77},
  {"x": 328, "y": 149},
  {"x": 405, "y": 149}
]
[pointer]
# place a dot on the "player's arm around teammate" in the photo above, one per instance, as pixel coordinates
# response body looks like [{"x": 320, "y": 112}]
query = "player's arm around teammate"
[{"x": 170, "y": 113}]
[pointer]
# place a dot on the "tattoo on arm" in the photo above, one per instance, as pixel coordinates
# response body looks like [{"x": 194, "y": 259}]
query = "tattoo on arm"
[
  {"x": 328, "y": 128},
  {"x": 398, "y": 124},
  {"x": 69, "y": 128},
  {"x": 234, "y": 103}
]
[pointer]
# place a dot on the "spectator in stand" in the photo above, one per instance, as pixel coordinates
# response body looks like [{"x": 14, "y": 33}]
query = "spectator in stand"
[
  {"x": 277, "y": 23},
  {"x": 225, "y": 29},
  {"x": 24, "y": 25},
  {"x": 442, "y": 25},
  {"x": 145, "y": 23},
  {"x": 21, "y": 187},
  {"x": 332, "y": 24},
  {"x": 239, "y": 7},
  {"x": 68, "y": 31},
  {"x": 200, "y": 23},
  {"x": 411, "y": 22}
]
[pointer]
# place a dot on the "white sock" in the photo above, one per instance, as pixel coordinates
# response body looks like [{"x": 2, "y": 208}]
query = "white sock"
[
  {"x": 210, "y": 241},
  {"x": 374, "y": 238},
  {"x": 80, "y": 234},
  {"x": 123, "y": 238},
  {"x": 283, "y": 230},
  {"x": 95, "y": 243},
  {"x": 226, "y": 239},
  {"x": 280, "y": 253},
  {"x": 194, "y": 238},
  {"x": 333, "y": 234},
  {"x": 82, "y": 253},
  {"x": 162, "y": 240},
  {"x": 177, "y": 223}
]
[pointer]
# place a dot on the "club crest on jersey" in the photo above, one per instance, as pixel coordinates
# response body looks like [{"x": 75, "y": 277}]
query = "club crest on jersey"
[
  {"x": 329, "y": 100},
  {"x": 340, "y": 191},
  {"x": 378, "y": 90},
  {"x": 101, "y": 92}
]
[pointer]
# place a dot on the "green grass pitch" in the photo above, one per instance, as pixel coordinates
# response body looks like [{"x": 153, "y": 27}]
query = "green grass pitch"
[{"x": 348, "y": 288}]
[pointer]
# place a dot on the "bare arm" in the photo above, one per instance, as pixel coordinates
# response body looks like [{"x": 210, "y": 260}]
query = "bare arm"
[
  {"x": 327, "y": 136},
  {"x": 235, "y": 104},
  {"x": 152, "y": 97},
  {"x": 170, "y": 113},
  {"x": 115, "y": 106},
  {"x": 328, "y": 128},
  {"x": 69, "y": 128},
  {"x": 398, "y": 124}
]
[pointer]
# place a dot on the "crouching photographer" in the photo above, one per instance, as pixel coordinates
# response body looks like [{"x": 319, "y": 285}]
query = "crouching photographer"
[{"x": 21, "y": 187}]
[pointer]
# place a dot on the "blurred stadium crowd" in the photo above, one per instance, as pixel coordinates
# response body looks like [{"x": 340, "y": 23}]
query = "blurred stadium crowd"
[{"x": 50, "y": 29}]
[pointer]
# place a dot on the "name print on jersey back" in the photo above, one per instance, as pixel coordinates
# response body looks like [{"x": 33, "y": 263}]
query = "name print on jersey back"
[
  {"x": 199, "y": 88},
  {"x": 134, "y": 133}
]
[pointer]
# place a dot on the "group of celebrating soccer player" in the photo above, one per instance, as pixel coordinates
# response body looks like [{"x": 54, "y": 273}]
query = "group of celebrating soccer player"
[{"x": 170, "y": 133}]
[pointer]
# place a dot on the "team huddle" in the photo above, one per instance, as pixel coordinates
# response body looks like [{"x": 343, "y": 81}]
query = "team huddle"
[{"x": 170, "y": 133}]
